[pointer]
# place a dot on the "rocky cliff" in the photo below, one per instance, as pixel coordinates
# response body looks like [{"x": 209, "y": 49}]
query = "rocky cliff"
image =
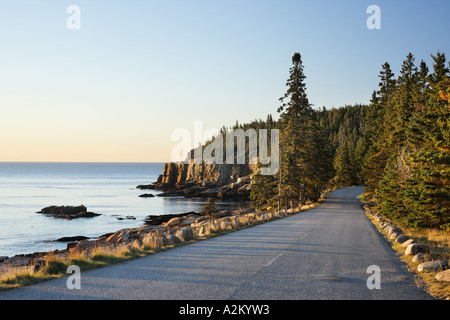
[{"x": 225, "y": 181}]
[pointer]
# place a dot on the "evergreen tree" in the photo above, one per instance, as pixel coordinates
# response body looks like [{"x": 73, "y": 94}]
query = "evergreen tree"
[
  {"x": 407, "y": 166},
  {"x": 296, "y": 138},
  {"x": 264, "y": 190},
  {"x": 428, "y": 193},
  {"x": 209, "y": 209},
  {"x": 379, "y": 125},
  {"x": 343, "y": 164}
]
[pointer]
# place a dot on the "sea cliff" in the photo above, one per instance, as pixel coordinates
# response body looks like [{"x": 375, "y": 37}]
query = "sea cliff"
[{"x": 223, "y": 181}]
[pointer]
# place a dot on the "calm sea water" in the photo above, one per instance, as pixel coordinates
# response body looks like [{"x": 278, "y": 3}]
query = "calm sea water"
[{"x": 105, "y": 188}]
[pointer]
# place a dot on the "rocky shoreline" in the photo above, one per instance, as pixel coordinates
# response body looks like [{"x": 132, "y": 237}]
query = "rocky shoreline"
[
  {"x": 224, "y": 182},
  {"x": 158, "y": 231}
]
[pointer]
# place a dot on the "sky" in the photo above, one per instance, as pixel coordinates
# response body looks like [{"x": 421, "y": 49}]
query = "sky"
[{"x": 134, "y": 72}]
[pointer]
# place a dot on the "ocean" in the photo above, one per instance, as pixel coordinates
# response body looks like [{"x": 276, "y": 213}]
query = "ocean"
[{"x": 105, "y": 188}]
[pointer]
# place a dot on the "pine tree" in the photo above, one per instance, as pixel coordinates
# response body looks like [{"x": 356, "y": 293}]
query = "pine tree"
[
  {"x": 378, "y": 126},
  {"x": 321, "y": 162},
  {"x": 264, "y": 190},
  {"x": 209, "y": 209},
  {"x": 407, "y": 166},
  {"x": 428, "y": 192},
  {"x": 343, "y": 164},
  {"x": 296, "y": 138}
]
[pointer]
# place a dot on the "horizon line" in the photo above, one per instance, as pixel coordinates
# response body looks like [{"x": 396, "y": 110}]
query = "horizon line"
[{"x": 6, "y": 161}]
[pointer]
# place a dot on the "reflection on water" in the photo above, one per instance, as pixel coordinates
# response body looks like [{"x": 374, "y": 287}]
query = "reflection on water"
[{"x": 108, "y": 189}]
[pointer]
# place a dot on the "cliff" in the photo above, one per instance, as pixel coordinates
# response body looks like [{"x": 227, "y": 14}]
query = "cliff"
[{"x": 224, "y": 181}]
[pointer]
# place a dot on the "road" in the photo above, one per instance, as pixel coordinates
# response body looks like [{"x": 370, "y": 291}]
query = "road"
[{"x": 320, "y": 254}]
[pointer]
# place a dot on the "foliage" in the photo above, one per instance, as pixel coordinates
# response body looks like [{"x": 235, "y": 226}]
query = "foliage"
[{"x": 408, "y": 158}]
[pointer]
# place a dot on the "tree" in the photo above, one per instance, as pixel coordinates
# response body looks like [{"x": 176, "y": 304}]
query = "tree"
[
  {"x": 407, "y": 166},
  {"x": 378, "y": 127},
  {"x": 343, "y": 164},
  {"x": 264, "y": 190},
  {"x": 209, "y": 209},
  {"x": 296, "y": 141}
]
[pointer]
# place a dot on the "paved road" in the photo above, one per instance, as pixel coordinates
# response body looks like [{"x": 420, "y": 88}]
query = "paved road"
[{"x": 319, "y": 254}]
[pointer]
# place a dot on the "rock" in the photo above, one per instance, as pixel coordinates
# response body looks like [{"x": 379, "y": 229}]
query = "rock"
[
  {"x": 407, "y": 243},
  {"x": 160, "y": 219},
  {"x": 146, "y": 186},
  {"x": 377, "y": 217},
  {"x": 105, "y": 236},
  {"x": 224, "y": 224},
  {"x": 419, "y": 257},
  {"x": 119, "y": 236},
  {"x": 244, "y": 190},
  {"x": 3, "y": 258},
  {"x": 432, "y": 266},
  {"x": 394, "y": 235},
  {"x": 224, "y": 181},
  {"x": 443, "y": 276},
  {"x": 184, "y": 234},
  {"x": 217, "y": 174},
  {"x": 17, "y": 261},
  {"x": 401, "y": 238},
  {"x": 391, "y": 229},
  {"x": 147, "y": 195},
  {"x": 85, "y": 245},
  {"x": 168, "y": 239},
  {"x": 416, "y": 248},
  {"x": 70, "y": 239},
  {"x": 153, "y": 240},
  {"x": 68, "y": 212},
  {"x": 174, "y": 222}
]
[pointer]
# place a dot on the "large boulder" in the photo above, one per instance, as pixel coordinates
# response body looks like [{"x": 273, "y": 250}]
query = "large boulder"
[
  {"x": 17, "y": 261},
  {"x": 401, "y": 238},
  {"x": 71, "y": 239},
  {"x": 153, "y": 240},
  {"x": 119, "y": 236},
  {"x": 174, "y": 222},
  {"x": 168, "y": 239},
  {"x": 407, "y": 243},
  {"x": 391, "y": 229},
  {"x": 68, "y": 212},
  {"x": 443, "y": 276},
  {"x": 394, "y": 235},
  {"x": 85, "y": 245},
  {"x": 432, "y": 266},
  {"x": 416, "y": 248},
  {"x": 420, "y": 257},
  {"x": 184, "y": 234}
]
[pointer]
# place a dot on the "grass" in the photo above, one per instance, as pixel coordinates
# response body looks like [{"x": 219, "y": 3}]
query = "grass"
[
  {"x": 438, "y": 241},
  {"x": 55, "y": 267}
]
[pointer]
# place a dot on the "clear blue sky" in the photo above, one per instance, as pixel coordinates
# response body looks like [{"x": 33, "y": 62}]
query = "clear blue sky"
[{"x": 136, "y": 71}]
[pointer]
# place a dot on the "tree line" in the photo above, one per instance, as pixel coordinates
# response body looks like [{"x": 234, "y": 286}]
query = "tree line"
[{"x": 397, "y": 146}]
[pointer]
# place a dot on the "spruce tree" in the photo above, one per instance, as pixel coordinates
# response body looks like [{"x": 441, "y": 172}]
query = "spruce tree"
[
  {"x": 378, "y": 121},
  {"x": 264, "y": 190},
  {"x": 428, "y": 192},
  {"x": 296, "y": 136}
]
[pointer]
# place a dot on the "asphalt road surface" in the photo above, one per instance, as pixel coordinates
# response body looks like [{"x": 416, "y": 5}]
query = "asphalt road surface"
[{"x": 320, "y": 254}]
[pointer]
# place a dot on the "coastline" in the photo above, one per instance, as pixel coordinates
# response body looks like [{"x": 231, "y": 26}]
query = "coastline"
[
  {"x": 230, "y": 189},
  {"x": 127, "y": 244}
]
